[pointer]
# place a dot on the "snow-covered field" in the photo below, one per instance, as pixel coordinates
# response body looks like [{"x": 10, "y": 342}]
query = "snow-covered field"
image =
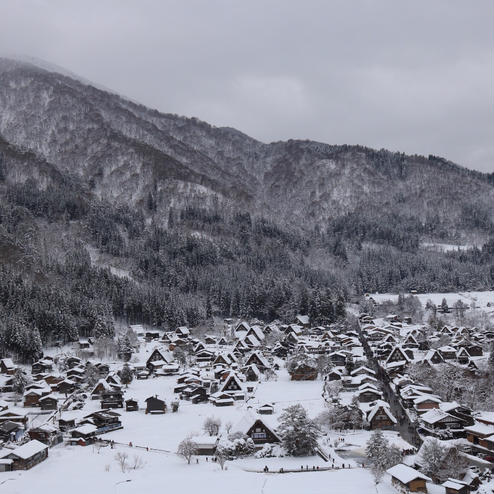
[
  {"x": 91, "y": 469},
  {"x": 155, "y": 439},
  {"x": 445, "y": 247},
  {"x": 78, "y": 470},
  {"x": 481, "y": 298}
]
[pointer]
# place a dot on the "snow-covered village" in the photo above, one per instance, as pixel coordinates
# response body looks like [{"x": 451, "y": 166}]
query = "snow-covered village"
[
  {"x": 243, "y": 406},
  {"x": 246, "y": 247}
]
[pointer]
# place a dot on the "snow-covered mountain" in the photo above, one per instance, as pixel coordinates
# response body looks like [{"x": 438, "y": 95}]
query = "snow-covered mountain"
[{"x": 125, "y": 152}]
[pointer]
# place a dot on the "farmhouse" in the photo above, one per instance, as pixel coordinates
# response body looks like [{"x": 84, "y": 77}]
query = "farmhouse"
[
  {"x": 303, "y": 371},
  {"x": 379, "y": 416},
  {"x": 26, "y": 456},
  {"x": 257, "y": 429},
  {"x": 7, "y": 366},
  {"x": 46, "y": 434},
  {"x": 159, "y": 356}
]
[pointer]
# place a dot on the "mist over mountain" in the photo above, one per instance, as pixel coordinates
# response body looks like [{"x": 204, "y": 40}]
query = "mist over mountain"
[{"x": 111, "y": 209}]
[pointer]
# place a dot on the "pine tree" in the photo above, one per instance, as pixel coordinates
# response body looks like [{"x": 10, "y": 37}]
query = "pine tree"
[
  {"x": 124, "y": 348},
  {"x": 91, "y": 374},
  {"x": 19, "y": 381},
  {"x": 2, "y": 169},
  {"x": 431, "y": 457},
  {"x": 298, "y": 433},
  {"x": 209, "y": 309},
  {"x": 380, "y": 454},
  {"x": 126, "y": 375}
]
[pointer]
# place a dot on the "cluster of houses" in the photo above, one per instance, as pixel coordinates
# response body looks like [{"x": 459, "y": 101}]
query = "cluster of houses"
[
  {"x": 397, "y": 344},
  {"x": 225, "y": 369}
]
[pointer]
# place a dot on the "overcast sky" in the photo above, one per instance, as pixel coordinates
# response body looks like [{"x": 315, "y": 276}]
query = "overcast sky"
[{"x": 413, "y": 76}]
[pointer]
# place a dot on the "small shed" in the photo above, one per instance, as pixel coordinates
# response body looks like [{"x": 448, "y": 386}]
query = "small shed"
[
  {"x": 205, "y": 444},
  {"x": 453, "y": 486},
  {"x": 266, "y": 409},
  {"x": 404, "y": 477},
  {"x": 154, "y": 405},
  {"x": 131, "y": 405}
]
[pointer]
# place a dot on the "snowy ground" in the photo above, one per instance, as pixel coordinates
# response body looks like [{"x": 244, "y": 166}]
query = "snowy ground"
[
  {"x": 91, "y": 469},
  {"x": 440, "y": 247},
  {"x": 481, "y": 298},
  {"x": 166, "y": 431},
  {"x": 81, "y": 470}
]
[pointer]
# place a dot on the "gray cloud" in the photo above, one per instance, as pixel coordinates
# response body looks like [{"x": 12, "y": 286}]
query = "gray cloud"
[{"x": 409, "y": 76}]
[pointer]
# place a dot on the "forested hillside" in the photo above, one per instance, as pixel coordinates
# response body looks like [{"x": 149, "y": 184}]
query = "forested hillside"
[{"x": 187, "y": 220}]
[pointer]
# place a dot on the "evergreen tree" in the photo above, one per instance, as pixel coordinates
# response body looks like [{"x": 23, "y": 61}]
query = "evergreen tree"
[
  {"x": 124, "y": 348},
  {"x": 298, "y": 433},
  {"x": 209, "y": 309},
  {"x": 91, "y": 375},
  {"x": 19, "y": 381},
  {"x": 378, "y": 452},
  {"x": 431, "y": 457},
  {"x": 126, "y": 375}
]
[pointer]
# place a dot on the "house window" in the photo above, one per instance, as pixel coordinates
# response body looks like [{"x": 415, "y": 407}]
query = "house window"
[{"x": 258, "y": 435}]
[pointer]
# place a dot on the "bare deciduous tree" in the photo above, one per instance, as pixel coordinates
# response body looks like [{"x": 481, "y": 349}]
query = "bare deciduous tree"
[
  {"x": 122, "y": 460},
  {"x": 212, "y": 426},
  {"x": 137, "y": 463},
  {"x": 187, "y": 448}
]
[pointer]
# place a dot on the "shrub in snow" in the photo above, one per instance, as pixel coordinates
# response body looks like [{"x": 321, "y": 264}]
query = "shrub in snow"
[
  {"x": 270, "y": 451},
  {"x": 235, "y": 446}
]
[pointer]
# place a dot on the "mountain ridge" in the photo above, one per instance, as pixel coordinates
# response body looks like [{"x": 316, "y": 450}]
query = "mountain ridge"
[{"x": 205, "y": 220}]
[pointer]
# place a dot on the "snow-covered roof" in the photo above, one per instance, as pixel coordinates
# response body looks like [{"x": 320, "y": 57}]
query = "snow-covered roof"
[
  {"x": 249, "y": 419},
  {"x": 261, "y": 357},
  {"x": 399, "y": 363},
  {"x": 447, "y": 348},
  {"x": 254, "y": 369},
  {"x": 86, "y": 429},
  {"x": 447, "y": 406},
  {"x": 423, "y": 398},
  {"x": 183, "y": 330},
  {"x": 406, "y": 474},
  {"x": 430, "y": 354},
  {"x": 103, "y": 383},
  {"x": 252, "y": 340},
  {"x": 231, "y": 376},
  {"x": 485, "y": 416},
  {"x": 258, "y": 332},
  {"x": 453, "y": 484},
  {"x": 8, "y": 363},
  {"x": 205, "y": 440},
  {"x": 380, "y": 404},
  {"x": 27, "y": 450},
  {"x": 480, "y": 428},
  {"x": 51, "y": 396},
  {"x": 435, "y": 415},
  {"x": 363, "y": 368}
]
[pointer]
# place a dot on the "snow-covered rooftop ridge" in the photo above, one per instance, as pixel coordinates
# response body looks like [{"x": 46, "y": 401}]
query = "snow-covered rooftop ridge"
[
  {"x": 406, "y": 474},
  {"x": 26, "y": 450}
]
